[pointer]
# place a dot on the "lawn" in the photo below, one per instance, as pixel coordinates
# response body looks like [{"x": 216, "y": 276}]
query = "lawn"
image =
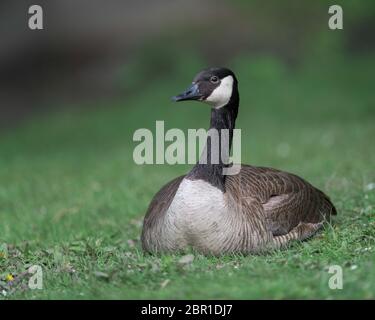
[{"x": 72, "y": 200}]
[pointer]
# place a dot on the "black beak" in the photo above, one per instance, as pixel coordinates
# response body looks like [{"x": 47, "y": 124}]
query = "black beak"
[{"x": 191, "y": 93}]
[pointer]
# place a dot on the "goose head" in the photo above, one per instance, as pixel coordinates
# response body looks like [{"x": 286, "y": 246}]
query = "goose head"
[{"x": 214, "y": 86}]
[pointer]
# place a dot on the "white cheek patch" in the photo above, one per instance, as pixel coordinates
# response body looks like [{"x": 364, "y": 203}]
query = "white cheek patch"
[{"x": 221, "y": 95}]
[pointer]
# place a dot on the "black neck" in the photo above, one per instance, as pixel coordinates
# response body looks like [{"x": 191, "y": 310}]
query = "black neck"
[{"x": 211, "y": 170}]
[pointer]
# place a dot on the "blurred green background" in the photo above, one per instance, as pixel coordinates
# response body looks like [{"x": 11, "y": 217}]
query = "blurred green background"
[{"x": 71, "y": 197}]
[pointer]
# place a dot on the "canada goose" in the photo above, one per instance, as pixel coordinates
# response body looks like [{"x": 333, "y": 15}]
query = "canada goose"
[{"x": 257, "y": 209}]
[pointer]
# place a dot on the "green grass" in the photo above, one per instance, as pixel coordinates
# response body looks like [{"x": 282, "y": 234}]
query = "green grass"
[{"x": 72, "y": 200}]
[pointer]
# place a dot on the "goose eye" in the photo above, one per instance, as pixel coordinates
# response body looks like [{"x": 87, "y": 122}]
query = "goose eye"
[{"x": 214, "y": 79}]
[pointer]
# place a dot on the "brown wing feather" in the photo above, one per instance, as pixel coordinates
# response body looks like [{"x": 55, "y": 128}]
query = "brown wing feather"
[{"x": 286, "y": 198}]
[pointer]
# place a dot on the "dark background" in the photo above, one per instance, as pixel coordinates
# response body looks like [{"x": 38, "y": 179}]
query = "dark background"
[{"x": 92, "y": 50}]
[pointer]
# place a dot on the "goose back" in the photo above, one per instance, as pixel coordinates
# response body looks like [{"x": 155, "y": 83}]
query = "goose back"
[{"x": 259, "y": 203}]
